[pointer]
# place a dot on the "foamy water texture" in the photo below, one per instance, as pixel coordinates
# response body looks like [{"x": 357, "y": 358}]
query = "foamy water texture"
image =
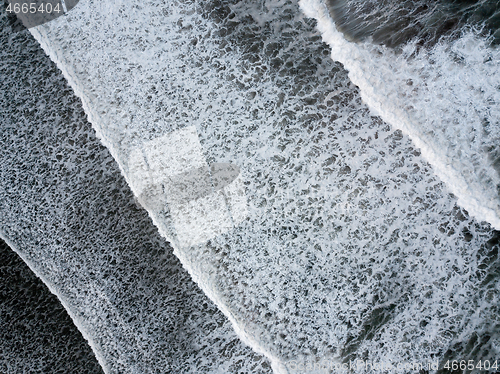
[
  {"x": 447, "y": 99},
  {"x": 346, "y": 243},
  {"x": 179, "y": 184},
  {"x": 70, "y": 215}
]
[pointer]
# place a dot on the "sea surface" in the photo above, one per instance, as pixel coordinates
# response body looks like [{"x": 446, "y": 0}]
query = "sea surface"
[{"x": 362, "y": 223}]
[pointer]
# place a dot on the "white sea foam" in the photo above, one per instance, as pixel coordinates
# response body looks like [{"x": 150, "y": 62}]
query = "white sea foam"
[
  {"x": 67, "y": 211},
  {"x": 446, "y": 99},
  {"x": 171, "y": 178},
  {"x": 350, "y": 246}
]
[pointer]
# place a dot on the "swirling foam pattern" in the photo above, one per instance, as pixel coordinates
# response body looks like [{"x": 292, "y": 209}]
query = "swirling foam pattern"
[
  {"x": 67, "y": 211},
  {"x": 351, "y": 247},
  {"x": 446, "y": 98}
]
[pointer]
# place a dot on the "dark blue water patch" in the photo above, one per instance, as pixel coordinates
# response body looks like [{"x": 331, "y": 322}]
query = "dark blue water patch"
[
  {"x": 36, "y": 333},
  {"x": 393, "y": 22}
]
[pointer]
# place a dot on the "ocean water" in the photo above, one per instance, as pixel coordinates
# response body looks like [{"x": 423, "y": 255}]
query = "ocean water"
[
  {"x": 69, "y": 214},
  {"x": 395, "y": 23},
  {"x": 444, "y": 97},
  {"x": 361, "y": 225},
  {"x": 36, "y": 334}
]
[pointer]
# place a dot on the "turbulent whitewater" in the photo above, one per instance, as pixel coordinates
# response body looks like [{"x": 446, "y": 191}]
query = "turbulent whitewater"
[
  {"x": 70, "y": 215},
  {"x": 446, "y": 97},
  {"x": 338, "y": 239}
]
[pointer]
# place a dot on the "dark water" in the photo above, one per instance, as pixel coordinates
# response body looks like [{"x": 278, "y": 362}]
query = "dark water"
[
  {"x": 394, "y": 22},
  {"x": 36, "y": 333}
]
